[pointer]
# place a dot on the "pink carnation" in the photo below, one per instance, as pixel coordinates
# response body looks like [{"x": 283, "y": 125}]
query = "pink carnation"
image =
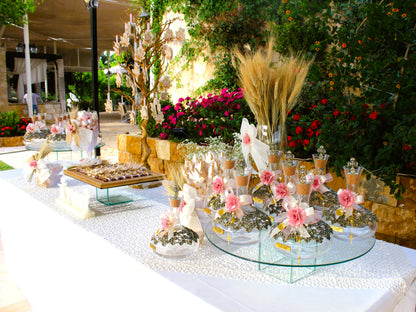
[
  {"x": 280, "y": 190},
  {"x": 346, "y": 198},
  {"x": 218, "y": 185},
  {"x": 316, "y": 183},
  {"x": 296, "y": 216},
  {"x": 246, "y": 139},
  {"x": 33, "y": 164},
  {"x": 266, "y": 177},
  {"x": 232, "y": 203}
]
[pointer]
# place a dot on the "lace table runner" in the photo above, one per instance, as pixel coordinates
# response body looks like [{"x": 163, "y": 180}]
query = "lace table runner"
[{"x": 132, "y": 225}]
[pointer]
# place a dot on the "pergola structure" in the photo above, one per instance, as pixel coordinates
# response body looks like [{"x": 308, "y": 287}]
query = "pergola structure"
[{"x": 62, "y": 27}]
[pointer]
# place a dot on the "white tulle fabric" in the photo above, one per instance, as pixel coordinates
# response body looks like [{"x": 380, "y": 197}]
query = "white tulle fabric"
[{"x": 386, "y": 266}]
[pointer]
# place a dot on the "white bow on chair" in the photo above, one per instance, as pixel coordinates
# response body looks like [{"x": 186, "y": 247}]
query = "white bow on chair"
[{"x": 251, "y": 145}]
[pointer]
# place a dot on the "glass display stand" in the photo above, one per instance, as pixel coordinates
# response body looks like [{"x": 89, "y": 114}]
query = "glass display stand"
[
  {"x": 115, "y": 198},
  {"x": 63, "y": 149},
  {"x": 287, "y": 269}
]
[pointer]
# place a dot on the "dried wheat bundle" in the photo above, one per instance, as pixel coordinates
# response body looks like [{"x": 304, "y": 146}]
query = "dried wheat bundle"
[
  {"x": 177, "y": 181},
  {"x": 271, "y": 87}
]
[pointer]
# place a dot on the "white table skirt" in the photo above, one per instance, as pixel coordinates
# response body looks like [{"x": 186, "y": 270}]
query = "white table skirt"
[{"x": 104, "y": 263}]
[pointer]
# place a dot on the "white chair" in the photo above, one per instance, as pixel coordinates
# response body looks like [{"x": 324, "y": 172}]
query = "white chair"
[{"x": 124, "y": 112}]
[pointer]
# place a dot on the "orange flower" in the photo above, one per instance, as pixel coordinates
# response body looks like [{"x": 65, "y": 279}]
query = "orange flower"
[
  {"x": 344, "y": 45},
  {"x": 388, "y": 13},
  {"x": 404, "y": 15},
  {"x": 339, "y": 60},
  {"x": 359, "y": 41},
  {"x": 317, "y": 49},
  {"x": 398, "y": 86},
  {"x": 316, "y": 42},
  {"x": 331, "y": 88},
  {"x": 287, "y": 12},
  {"x": 399, "y": 59},
  {"x": 331, "y": 83},
  {"x": 390, "y": 4},
  {"x": 330, "y": 75},
  {"x": 290, "y": 18},
  {"x": 358, "y": 58},
  {"x": 284, "y": 1}
]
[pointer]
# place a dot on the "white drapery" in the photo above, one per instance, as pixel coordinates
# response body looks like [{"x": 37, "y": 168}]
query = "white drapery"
[{"x": 38, "y": 68}]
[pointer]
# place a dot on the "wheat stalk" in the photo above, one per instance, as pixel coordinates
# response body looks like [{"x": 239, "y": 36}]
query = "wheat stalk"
[{"x": 271, "y": 87}]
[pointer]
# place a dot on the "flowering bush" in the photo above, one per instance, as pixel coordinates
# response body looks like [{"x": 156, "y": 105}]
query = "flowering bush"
[
  {"x": 12, "y": 125},
  {"x": 210, "y": 116}
]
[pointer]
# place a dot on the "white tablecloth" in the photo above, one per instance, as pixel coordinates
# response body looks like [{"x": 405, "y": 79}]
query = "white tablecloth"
[{"x": 62, "y": 263}]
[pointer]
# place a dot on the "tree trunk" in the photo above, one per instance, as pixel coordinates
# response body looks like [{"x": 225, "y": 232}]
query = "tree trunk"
[{"x": 144, "y": 145}]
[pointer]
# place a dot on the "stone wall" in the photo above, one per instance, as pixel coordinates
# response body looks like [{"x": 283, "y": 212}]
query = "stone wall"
[
  {"x": 3, "y": 81},
  {"x": 397, "y": 218},
  {"x": 51, "y": 109}
]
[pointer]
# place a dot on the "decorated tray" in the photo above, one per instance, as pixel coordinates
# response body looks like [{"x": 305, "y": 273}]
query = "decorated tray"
[{"x": 112, "y": 175}]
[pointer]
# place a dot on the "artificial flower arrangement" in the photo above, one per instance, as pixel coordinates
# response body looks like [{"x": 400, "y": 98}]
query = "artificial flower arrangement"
[
  {"x": 299, "y": 231},
  {"x": 321, "y": 195},
  {"x": 36, "y": 133},
  {"x": 57, "y": 138},
  {"x": 173, "y": 239},
  {"x": 348, "y": 218},
  {"x": 82, "y": 131},
  {"x": 46, "y": 173}
]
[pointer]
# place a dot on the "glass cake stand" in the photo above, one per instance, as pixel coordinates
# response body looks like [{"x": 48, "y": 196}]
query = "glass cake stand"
[{"x": 288, "y": 269}]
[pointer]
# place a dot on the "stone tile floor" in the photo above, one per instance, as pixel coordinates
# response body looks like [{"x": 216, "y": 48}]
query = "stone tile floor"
[{"x": 11, "y": 298}]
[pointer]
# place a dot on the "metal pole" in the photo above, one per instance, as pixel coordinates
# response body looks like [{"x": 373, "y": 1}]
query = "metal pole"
[{"x": 94, "y": 68}]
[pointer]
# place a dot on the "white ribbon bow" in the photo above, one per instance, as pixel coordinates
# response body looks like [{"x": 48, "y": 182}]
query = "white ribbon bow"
[
  {"x": 188, "y": 215},
  {"x": 251, "y": 145}
]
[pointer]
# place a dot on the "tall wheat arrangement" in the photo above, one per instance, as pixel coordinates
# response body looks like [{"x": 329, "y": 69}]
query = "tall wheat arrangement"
[{"x": 271, "y": 87}]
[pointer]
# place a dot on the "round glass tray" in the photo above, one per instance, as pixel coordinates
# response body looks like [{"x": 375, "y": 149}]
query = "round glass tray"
[{"x": 266, "y": 252}]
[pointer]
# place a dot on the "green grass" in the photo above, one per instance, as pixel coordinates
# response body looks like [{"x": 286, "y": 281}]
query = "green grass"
[{"x": 4, "y": 166}]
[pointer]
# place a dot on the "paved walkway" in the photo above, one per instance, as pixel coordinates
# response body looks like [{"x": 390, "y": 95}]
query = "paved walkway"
[{"x": 110, "y": 127}]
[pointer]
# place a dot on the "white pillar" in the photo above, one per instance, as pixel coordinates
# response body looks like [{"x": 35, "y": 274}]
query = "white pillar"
[{"x": 28, "y": 69}]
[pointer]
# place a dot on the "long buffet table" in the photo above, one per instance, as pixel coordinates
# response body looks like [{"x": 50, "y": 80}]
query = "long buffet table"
[{"x": 104, "y": 263}]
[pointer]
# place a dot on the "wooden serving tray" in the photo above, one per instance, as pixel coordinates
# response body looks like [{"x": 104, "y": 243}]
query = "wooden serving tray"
[{"x": 154, "y": 176}]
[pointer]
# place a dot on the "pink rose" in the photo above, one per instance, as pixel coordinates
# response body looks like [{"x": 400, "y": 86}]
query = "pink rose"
[
  {"x": 266, "y": 177},
  {"x": 316, "y": 183},
  {"x": 232, "y": 203},
  {"x": 33, "y": 164},
  {"x": 346, "y": 198},
  {"x": 54, "y": 129},
  {"x": 280, "y": 190},
  {"x": 30, "y": 127},
  {"x": 246, "y": 139},
  {"x": 218, "y": 185},
  {"x": 69, "y": 128},
  {"x": 296, "y": 216}
]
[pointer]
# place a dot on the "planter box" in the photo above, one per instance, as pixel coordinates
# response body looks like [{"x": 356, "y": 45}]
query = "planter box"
[
  {"x": 163, "y": 156},
  {"x": 11, "y": 141}
]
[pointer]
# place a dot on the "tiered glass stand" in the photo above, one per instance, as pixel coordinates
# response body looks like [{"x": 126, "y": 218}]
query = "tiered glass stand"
[{"x": 287, "y": 269}]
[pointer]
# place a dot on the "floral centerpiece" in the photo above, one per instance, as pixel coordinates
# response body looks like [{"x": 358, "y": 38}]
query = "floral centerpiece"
[
  {"x": 262, "y": 192},
  {"x": 299, "y": 232},
  {"x": 57, "y": 138},
  {"x": 82, "y": 131},
  {"x": 46, "y": 173},
  {"x": 173, "y": 239},
  {"x": 36, "y": 133},
  {"x": 348, "y": 219}
]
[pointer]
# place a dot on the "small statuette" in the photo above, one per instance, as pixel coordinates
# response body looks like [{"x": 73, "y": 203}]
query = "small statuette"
[
  {"x": 302, "y": 174},
  {"x": 321, "y": 152},
  {"x": 289, "y": 158},
  {"x": 352, "y": 166}
]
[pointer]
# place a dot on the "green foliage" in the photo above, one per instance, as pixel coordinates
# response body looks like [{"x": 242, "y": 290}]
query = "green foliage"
[
  {"x": 13, "y": 11},
  {"x": 11, "y": 124},
  {"x": 364, "y": 78}
]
